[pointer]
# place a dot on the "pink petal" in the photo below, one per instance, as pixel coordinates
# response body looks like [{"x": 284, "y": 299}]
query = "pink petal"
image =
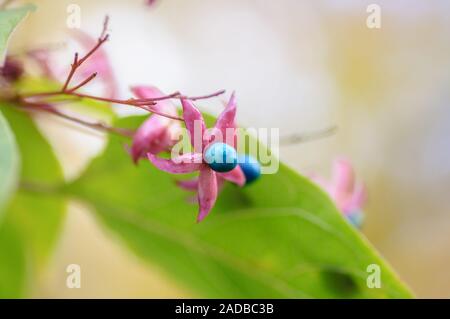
[
  {"x": 343, "y": 178},
  {"x": 185, "y": 163},
  {"x": 158, "y": 133},
  {"x": 207, "y": 191},
  {"x": 149, "y": 138},
  {"x": 235, "y": 176},
  {"x": 194, "y": 124},
  {"x": 226, "y": 124},
  {"x": 151, "y": 92},
  {"x": 189, "y": 185},
  {"x": 192, "y": 184},
  {"x": 357, "y": 199},
  {"x": 220, "y": 182}
]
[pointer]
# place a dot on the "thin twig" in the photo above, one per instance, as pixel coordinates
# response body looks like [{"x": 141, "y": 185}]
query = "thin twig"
[
  {"x": 146, "y": 101},
  {"x": 204, "y": 97},
  {"x": 78, "y": 62},
  {"x": 306, "y": 137},
  {"x": 145, "y": 104},
  {"x": 71, "y": 73},
  {"x": 94, "y": 125},
  {"x": 105, "y": 27},
  {"x": 142, "y": 104},
  {"x": 83, "y": 83}
]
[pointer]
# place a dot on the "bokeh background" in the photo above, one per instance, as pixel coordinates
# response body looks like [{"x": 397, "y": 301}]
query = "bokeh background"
[{"x": 296, "y": 65}]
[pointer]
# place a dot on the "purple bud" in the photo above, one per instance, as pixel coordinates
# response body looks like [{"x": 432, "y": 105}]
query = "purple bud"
[{"x": 12, "y": 70}]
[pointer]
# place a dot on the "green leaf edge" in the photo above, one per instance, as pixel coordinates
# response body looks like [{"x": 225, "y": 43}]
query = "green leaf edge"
[
  {"x": 10, "y": 181},
  {"x": 401, "y": 291},
  {"x": 9, "y": 24}
]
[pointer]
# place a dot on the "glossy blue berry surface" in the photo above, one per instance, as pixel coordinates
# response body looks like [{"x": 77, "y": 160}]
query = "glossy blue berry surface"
[
  {"x": 250, "y": 167},
  {"x": 220, "y": 157}
]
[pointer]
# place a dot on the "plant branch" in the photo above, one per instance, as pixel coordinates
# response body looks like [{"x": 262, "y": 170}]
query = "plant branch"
[
  {"x": 83, "y": 83},
  {"x": 306, "y": 137},
  {"x": 78, "y": 62},
  {"x": 94, "y": 125},
  {"x": 145, "y": 104}
]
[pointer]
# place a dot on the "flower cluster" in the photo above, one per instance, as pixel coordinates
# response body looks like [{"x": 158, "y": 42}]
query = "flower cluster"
[
  {"x": 213, "y": 155},
  {"x": 215, "y": 160},
  {"x": 213, "y": 151}
]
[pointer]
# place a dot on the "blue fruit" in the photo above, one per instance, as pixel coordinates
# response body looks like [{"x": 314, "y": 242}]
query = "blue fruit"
[
  {"x": 356, "y": 218},
  {"x": 220, "y": 157},
  {"x": 250, "y": 167}
]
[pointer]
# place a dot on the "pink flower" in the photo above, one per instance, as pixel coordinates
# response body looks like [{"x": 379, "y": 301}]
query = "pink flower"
[
  {"x": 209, "y": 180},
  {"x": 192, "y": 184},
  {"x": 157, "y": 133},
  {"x": 229, "y": 117},
  {"x": 348, "y": 195}
]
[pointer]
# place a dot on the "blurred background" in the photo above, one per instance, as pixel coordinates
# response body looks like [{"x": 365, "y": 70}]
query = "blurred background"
[{"x": 296, "y": 65}]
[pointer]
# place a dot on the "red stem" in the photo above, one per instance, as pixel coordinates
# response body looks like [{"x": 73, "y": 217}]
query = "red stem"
[
  {"x": 78, "y": 62},
  {"x": 204, "y": 97},
  {"x": 94, "y": 125},
  {"x": 83, "y": 83},
  {"x": 144, "y": 104}
]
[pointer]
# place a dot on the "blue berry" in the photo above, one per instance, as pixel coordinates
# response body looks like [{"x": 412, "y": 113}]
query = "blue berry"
[
  {"x": 356, "y": 218},
  {"x": 250, "y": 167},
  {"x": 220, "y": 157}
]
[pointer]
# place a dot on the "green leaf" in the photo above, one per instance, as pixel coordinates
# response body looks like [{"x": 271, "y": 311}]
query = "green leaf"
[
  {"x": 281, "y": 237},
  {"x": 8, "y": 162},
  {"x": 9, "y": 19},
  {"x": 13, "y": 272},
  {"x": 34, "y": 216},
  {"x": 39, "y": 164}
]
